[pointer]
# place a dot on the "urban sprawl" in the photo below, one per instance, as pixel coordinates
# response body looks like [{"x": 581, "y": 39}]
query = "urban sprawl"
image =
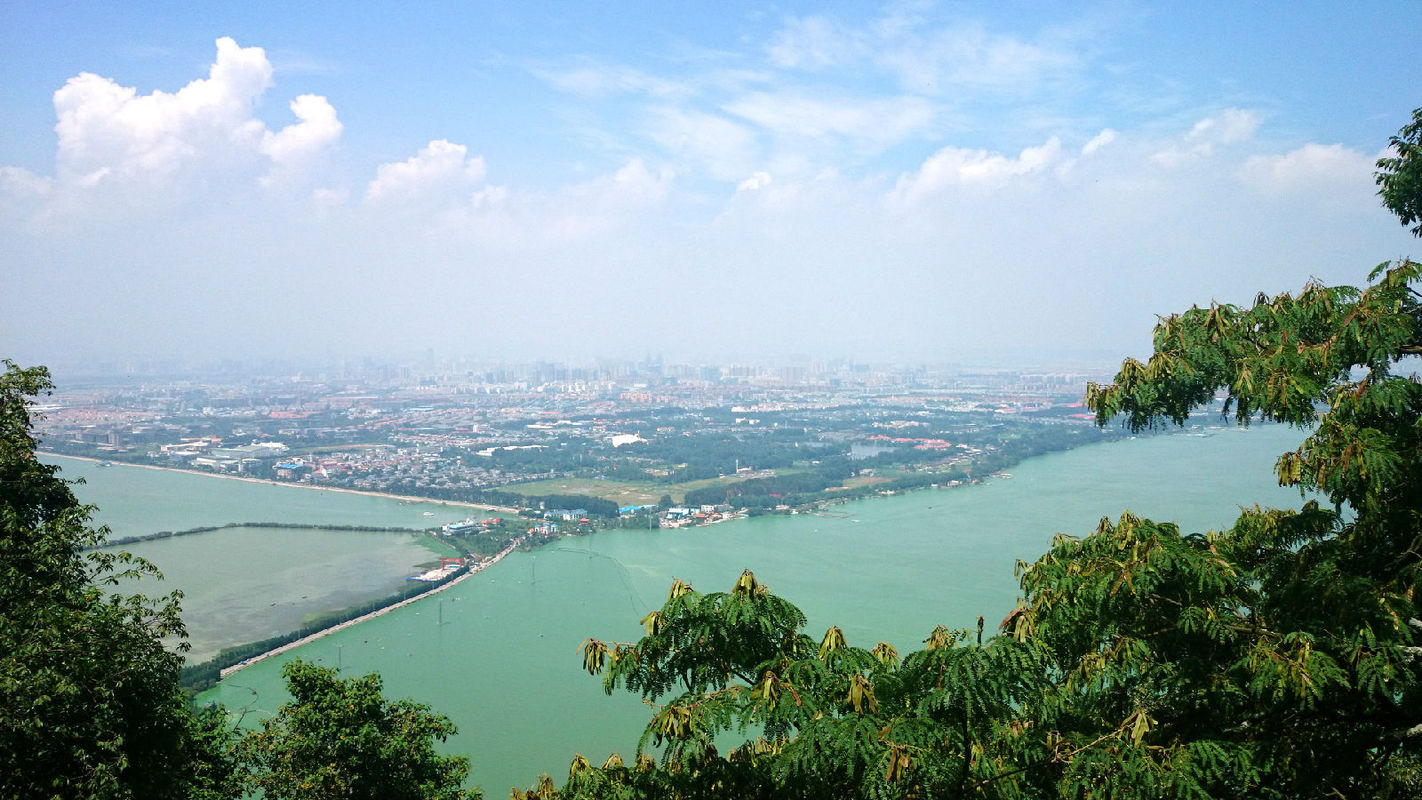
[{"x": 617, "y": 443}]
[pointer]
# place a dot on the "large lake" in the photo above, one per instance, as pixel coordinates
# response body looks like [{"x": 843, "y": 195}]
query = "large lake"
[{"x": 498, "y": 654}]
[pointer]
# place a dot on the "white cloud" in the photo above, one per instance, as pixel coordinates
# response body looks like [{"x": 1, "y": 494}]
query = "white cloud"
[
  {"x": 813, "y": 43},
  {"x": 712, "y": 144},
  {"x": 594, "y": 209},
  {"x": 835, "y": 111},
  {"x": 602, "y": 80},
  {"x": 755, "y": 182},
  {"x": 440, "y": 170},
  {"x": 327, "y": 200},
  {"x": 969, "y": 56},
  {"x": 818, "y": 222},
  {"x": 1231, "y": 126},
  {"x": 108, "y": 131},
  {"x": 923, "y": 58},
  {"x": 20, "y": 182},
  {"x": 439, "y": 196},
  {"x": 294, "y": 146},
  {"x": 1098, "y": 141},
  {"x": 635, "y": 181},
  {"x": 957, "y": 167},
  {"x": 876, "y": 123},
  {"x": 1313, "y": 167},
  {"x": 163, "y": 144}
]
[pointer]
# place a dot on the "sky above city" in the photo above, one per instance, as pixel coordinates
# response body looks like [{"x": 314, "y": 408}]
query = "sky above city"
[{"x": 1020, "y": 183}]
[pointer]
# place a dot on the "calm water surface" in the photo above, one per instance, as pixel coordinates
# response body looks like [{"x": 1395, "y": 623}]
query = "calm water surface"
[
  {"x": 246, "y": 584},
  {"x": 498, "y": 654},
  {"x": 135, "y": 501}
]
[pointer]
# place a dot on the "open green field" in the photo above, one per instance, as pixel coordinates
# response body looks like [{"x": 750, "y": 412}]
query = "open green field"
[
  {"x": 860, "y": 482},
  {"x": 633, "y": 493},
  {"x": 624, "y": 493},
  {"x": 334, "y": 448}
]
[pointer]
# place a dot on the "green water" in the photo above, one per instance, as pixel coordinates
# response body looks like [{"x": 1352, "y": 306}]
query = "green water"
[
  {"x": 504, "y": 666},
  {"x": 246, "y": 584},
  {"x": 135, "y": 501}
]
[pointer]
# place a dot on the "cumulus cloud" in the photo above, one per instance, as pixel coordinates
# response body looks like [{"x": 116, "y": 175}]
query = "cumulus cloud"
[
  {"x": 956, "y": 167},
  {"x": 20, "y": 182},
  {"x": 1231, "y": 126},
  {"x": 440, "y": 195},
  {"x": 612, "y": 202},
  {"x": 755, "y": 182},
  {"x": 327, "y": 200},
  {"x": 112, "y": 135},
  {"x": 1311, "y": 167},
  {"x": 1098, "y": 141},
  {"x": 110, "y": 130},
  {"x": 440, "y": 170},
  {"x": 634, "y": 180},
  {"x": 297, "y": 144}
]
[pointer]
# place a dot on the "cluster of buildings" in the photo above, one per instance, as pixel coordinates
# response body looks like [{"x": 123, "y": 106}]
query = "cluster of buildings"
[
  {"x": 446, "y": 431},
  {"x": 683, "y": 516}
]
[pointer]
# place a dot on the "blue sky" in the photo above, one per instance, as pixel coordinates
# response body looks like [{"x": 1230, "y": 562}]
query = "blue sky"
[{"x": 938, "y": 181}]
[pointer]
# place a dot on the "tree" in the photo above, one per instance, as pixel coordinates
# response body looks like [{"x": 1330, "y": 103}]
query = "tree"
[
  {"x": 1279, "y": 658},
  {"x": 89, "y": 701},
  {"x": 833, "y": 721},
  {"x": 340, "y": 738},
  {"x": 1399, "y": 176}
]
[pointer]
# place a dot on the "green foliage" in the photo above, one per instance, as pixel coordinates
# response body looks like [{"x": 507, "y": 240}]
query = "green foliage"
[
  {"x": 89, "y": 702},
  {"x": 340, "y": 738},
  {"x": 1276, "y": 659},
  {"x": 1399, "y": 176},
  {"x": 831, "y": 720},
  {"x": 1322, "y": 360}
]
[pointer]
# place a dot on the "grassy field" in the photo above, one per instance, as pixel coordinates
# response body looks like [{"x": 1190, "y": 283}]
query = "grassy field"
[
  {"x": 857, "y": 482},
  {"x": 639, "y": 493},
  {"x": 623, "y": 493},
  {"x": 332, "y": 448}
]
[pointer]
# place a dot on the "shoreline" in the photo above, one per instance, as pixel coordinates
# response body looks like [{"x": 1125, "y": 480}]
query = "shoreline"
[
  {"x": 276, "y": 651},
  {"x": 227, "y": 671},
  {"x": 806, "y": 508},
  {"x": 341, "y": 489}
]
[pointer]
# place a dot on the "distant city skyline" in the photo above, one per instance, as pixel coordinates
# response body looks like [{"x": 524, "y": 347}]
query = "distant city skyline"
[
  {"x": 70, "y": 374},
  {"x": 903, "y": 182}
]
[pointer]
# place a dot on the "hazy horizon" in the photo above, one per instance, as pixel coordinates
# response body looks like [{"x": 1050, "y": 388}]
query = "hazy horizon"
[{"x": 904, "y": 182}]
